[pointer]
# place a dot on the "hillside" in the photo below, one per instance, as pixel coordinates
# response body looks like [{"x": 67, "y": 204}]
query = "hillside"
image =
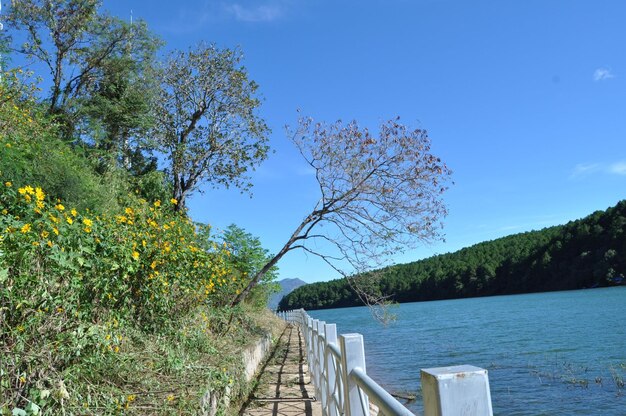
[{"x": 590, "y": 252}]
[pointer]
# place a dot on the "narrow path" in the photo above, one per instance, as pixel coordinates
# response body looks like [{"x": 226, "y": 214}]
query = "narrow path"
[{"x": 284, "y": 387}]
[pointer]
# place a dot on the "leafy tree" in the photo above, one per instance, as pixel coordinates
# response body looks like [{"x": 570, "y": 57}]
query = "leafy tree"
[
  {"x": 206, "y": 121},
  {"x": 76, "y": 44},
  {"x": 247, "y": 257},
  {"x": 120, "y": 105},
  {"x": 377, "y": 195}
]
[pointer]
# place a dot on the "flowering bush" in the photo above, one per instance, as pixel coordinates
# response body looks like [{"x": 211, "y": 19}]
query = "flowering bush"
[{"x": 73, "y": 278}]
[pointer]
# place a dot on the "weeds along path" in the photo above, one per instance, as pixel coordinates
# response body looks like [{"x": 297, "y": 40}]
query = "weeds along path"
[{"x": 283, "y": 386}]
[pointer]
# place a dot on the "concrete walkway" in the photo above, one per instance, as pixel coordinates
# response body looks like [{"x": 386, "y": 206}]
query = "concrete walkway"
[{"x": 284, "y": 387}]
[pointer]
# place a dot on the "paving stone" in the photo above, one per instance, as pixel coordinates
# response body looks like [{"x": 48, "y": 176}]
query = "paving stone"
[{"x": 284, "y": 387}]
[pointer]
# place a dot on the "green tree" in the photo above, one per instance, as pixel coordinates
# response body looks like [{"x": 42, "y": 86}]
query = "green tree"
[
  {"x": 206, "y": 120},
  {"x": 247, "y": 256},
  {"x": 119, "y": 105},
  {"x": 76, "y": 43}
]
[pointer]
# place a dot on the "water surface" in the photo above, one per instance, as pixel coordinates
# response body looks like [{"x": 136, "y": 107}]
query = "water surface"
[{"x": 557, "y": 353}]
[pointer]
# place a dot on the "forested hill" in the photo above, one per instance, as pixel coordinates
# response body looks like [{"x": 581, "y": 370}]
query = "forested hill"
[{"x": 590, "y": 252}]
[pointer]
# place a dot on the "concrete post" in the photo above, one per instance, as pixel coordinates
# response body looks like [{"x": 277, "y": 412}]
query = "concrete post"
[
  {"x": 353, "y": 355},
  {"x": 309, "y": 347},
  {"x": 329, "y": 369},
  {"x": 320, "y": 376},
  {"x": 457, "y": 390}
]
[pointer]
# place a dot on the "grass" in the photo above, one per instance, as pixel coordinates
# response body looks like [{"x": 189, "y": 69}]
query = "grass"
[{"x": 165, "y": 374}]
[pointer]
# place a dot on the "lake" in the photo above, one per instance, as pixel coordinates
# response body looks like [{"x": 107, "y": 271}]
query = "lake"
[{"x": 557, "y": 353}]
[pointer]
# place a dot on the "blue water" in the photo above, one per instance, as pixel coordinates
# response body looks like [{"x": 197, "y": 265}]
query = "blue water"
[{"x": 558, "y": 353}]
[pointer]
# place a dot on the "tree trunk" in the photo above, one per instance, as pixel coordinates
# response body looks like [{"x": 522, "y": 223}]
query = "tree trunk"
[{"x": 286, "y": 248}]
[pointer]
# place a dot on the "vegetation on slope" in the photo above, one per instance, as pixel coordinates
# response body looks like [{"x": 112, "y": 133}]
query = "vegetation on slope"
[
  {"x": 111, "y": 301},
  {"x": 590, "y": 252}
]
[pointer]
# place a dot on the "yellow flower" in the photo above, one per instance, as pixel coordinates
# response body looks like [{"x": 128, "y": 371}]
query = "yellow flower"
[
  {"x": 136, "y": 255},
  {"x": 74, "y": 212},
  {"x": 39, "y": 194},
  {"x": 56, "y": 230},
  {"x": 8, "y": 184},
  {"x": 87, "y": 229},
  {"x": 36, "y": 243},
  {"x": 87, "y": 222},
  {"x": 128, "y": 211},
  {"x": 60, "y": 207},
  {"x": 157, "y": 203},
  {"x": 69, "y": 220},
  {"x": 44, "y": 234},
  {"x": 170, "y": 398},
  {"x": 29, "y": 190},
  {"x": 49, "y": 244},
  {"x": 25, "y": 228},
  {"x": 174, "y": 201},
  {"x": 27, "y": 198}
]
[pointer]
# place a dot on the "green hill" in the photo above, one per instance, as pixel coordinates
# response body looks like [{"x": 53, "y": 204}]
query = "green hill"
[{"x": 590, "y": 252}]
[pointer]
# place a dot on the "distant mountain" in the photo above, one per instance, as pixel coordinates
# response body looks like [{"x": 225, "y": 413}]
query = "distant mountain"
[
  {"x": 286, "y": 287},
  {"x": 586, "y": 253}
]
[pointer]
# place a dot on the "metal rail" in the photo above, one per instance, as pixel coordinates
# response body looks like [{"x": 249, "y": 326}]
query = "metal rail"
[{"x": 337, "y": 371}]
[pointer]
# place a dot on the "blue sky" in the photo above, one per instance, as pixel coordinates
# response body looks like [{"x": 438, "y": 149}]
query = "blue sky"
[{"x": 524, "y": 100}]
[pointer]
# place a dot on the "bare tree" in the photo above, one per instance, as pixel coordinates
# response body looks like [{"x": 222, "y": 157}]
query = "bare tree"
[
  {"x": 206, "y": 120},
  {"x": 378, "y": 196}
]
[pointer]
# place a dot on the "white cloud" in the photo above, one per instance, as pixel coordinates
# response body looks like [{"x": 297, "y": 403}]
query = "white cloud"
[
  {"x": 261, "y": 13},
  {"x": 602, "y": 74},
  {"x": 584, "y": 169},
  {"x": 618, "y": 168}
]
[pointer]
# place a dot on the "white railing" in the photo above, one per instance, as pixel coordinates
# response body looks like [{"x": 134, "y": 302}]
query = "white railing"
[{"x": 337, "y": 371}]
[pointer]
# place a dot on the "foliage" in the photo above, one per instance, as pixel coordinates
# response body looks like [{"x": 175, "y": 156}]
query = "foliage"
[
  {"x": 111, "y": 301},
  {"x": 71, "y": 279},
  {"x": 31, "y": 152},
  {"x": 78, "y": 46},
  {"x": 378, "y": 196},
  {"x": 206, "y": 120},
  {"x": 120, "y": 105},
  {"x": 247, "y": 258},
  {"x": 590, "y": 252}
]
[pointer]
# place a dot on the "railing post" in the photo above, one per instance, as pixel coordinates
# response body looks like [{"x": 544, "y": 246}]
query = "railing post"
[
  {"x": 309, "y": 341},
  {"x": 353, "y": 355},
  {"x": 313, "y": 362},
  {"x": 457, "y": 390},
  {"x": 331, "y": 338},
  {"x": 319, "y": 361}
]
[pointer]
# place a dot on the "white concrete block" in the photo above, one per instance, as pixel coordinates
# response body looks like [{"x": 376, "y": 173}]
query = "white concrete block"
[{"x": 461, "y": 390}]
